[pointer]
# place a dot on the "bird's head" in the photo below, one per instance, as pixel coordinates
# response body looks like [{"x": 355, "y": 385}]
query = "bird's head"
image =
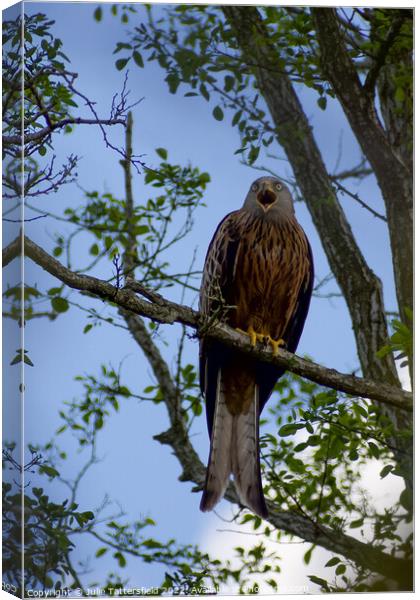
[{"x": 269, "y": 196}]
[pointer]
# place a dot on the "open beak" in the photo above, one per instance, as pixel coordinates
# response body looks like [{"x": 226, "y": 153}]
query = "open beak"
[{"x": 266, "y": 197}]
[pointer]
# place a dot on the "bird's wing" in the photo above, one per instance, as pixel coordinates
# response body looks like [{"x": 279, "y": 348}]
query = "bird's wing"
[
  {"x": 215, "y": 294},
  {"x": 296, "y": 323},
  {"x": 268, "y": 375}
]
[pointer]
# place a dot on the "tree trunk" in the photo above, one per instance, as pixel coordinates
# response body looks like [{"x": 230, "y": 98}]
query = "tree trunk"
[{"x": 392, "y": 173}]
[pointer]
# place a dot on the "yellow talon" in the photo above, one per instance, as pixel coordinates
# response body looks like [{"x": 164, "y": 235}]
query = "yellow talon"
[
  {"x": 276, "y": 343},
  {"x": 262, "y": 337},
  {"x": 253, "y": 335}
]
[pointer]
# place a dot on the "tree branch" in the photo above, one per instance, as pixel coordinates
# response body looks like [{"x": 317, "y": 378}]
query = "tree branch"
[
  {"x": 45, "y": 131},
  {"x": 170, "y": 312}
]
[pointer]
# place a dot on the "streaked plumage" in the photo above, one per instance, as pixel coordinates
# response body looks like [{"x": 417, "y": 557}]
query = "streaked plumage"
[{"x": 258, "y": 277}]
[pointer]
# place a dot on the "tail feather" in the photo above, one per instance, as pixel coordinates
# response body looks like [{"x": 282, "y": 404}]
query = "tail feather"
[
  {"x": 219, "y": 465},
  {"x": 235, "y": 449},
  {"x": 245, "y": 453}
]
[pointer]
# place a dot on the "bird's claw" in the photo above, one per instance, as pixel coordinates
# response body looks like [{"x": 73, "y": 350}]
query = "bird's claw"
[
  {"x": 262, "y": 337},
  {"x": 253, "y": 335},
  {"x": 275, "y": 344}
]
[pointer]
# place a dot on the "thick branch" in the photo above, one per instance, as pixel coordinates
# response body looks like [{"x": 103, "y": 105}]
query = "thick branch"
[{"x": 164, "y": 311}]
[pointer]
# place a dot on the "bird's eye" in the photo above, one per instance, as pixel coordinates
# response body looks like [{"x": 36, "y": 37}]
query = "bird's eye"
[
  {"x": 279, "y": 186},
  {"x": 254, "y": 187}
]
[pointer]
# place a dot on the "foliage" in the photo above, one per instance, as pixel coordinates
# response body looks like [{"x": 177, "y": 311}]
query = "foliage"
[
  {"x": 401, "y": 340},
  {"x": 47, "y": 99},
  {"x": 198, "y": 51}
]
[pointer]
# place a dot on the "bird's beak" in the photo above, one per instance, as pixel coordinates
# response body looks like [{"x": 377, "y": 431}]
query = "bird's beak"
[{"x": 266, "y": 197}]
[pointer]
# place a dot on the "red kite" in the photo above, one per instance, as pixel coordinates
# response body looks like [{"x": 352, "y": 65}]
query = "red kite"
[{"x": 258, "y": 278}]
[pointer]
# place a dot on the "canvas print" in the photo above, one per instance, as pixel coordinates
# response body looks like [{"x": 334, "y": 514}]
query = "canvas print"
[{"x": 207, "y": 299}]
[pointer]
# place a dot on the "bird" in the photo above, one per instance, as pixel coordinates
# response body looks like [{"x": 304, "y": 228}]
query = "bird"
[{"x": 258, "y": 278}]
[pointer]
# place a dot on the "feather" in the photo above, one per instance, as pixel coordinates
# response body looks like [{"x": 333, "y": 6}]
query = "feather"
[
  {"x": 246, "y": 458},
  {"x": 219, "y": 464}
]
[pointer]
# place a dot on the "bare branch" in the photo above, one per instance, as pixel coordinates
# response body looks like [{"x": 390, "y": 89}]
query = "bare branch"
[
  {"x": 45, "y": 131},
  {"x": 356, "y": 197}
]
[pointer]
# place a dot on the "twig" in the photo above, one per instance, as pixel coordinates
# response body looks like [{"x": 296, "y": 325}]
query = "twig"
[{"x": 358, "y": 200}]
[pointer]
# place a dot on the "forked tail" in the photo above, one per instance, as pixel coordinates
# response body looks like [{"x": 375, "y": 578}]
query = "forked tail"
[{"x": 234, "y": 449}]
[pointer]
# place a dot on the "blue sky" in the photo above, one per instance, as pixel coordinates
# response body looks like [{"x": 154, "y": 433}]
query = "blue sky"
[{"x": 136, "y": 470}]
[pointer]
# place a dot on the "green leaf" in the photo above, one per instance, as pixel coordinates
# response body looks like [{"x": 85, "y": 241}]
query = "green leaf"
[
  {"x": 138, "y": 59},
  {"x": 87, "y": 515},
  {"x": 340, "y": 569},
  {"x": 42, "y": 150},
  {"x": 229, "y": 83},
  {"x": 204, "y": 92},
  {"x": 406, "y": 499},
  {"x": 308, "y": 555},
  {"x": 121, "y": 62},
  {"x": 50, "y": 471},
  {"x": 353, "y": 454},
  {"x": 384, "y": 351},
  {"x": 322, "y": 582},
  {"x": 289, "y": 429},
  {"x": 253, "y": 154},
  {"x": 322, "y": 102},
  {"x": 27, "y": 360},
  {"x": 54, "y": 291},
  {"x": 162, "y": 152},
  {"x": 173, "y": 82},
  {"x": 101, "y": 552},
  {"x": 374, "y": 450},
  {"x": 332, "y": 562},
  {"x": 59, "y": 304},
  {"x": 385, "y": 471},
  {"x": 218, "y": 113},
  {"x": 94, "y": 250},
  {"x": 98, "y": 14},
  {"x": 357, "y": 523}
]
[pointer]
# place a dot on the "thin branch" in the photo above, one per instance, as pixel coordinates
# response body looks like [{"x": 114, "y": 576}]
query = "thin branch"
[
  {"x": 356, "y": 197},
  {"x": 45, "y": 131}
]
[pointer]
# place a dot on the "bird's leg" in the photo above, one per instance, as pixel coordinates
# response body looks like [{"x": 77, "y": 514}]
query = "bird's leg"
[
  {"x": 275, "y": 344},
  {"x": 253, "y": 335}
]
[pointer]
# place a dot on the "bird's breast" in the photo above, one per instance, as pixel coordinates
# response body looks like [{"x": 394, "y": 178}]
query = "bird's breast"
[{"x": 269, "y": 269}]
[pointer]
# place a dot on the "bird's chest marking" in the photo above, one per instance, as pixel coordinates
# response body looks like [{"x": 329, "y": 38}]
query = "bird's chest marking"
[{"x": 267, "y": 277}]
